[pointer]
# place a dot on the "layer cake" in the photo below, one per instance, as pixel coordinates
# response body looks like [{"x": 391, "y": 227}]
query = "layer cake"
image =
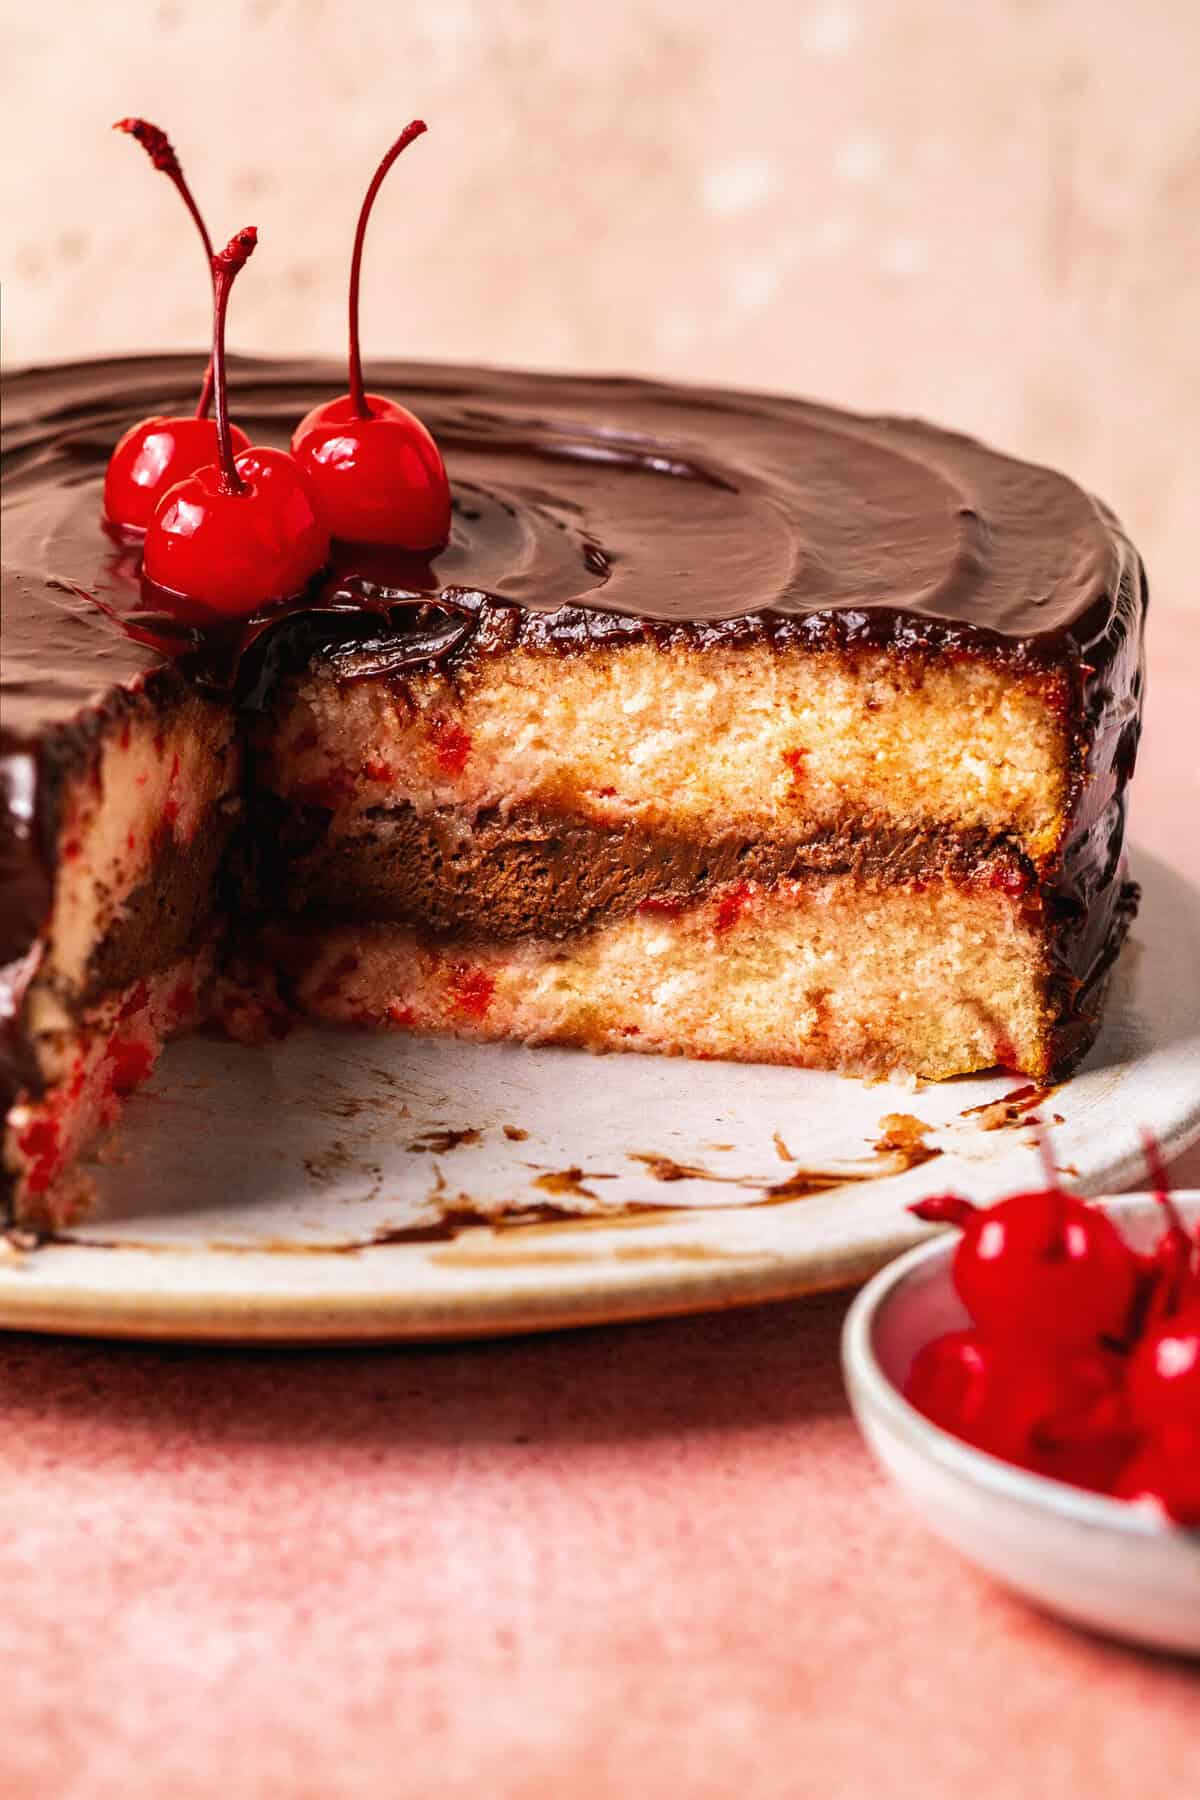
[{"x": 726, "y": 725}]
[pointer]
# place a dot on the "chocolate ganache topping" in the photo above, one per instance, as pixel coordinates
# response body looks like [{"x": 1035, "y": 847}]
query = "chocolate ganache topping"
[{"x": 585, "y": 510}]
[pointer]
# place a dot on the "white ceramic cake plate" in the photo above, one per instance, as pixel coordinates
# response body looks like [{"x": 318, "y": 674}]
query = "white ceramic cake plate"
[{"x": 339, "y": 1186}]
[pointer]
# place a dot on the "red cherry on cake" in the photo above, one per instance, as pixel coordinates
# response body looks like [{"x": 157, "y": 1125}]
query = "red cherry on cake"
[
  {"x": 379, "y": 473},
  {"x": 157, "y": 452},
  {"x": 381, "y": 478},
  {"x": 150, "y": 458},
  {"x": 236, "y": 533}
]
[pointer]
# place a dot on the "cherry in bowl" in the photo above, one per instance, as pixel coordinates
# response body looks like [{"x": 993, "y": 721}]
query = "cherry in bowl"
[{"x": 1092, "y": 1557}]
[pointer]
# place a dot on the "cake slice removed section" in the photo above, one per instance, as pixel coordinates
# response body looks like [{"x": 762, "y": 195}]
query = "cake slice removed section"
[{"x": 124, "y": 819}]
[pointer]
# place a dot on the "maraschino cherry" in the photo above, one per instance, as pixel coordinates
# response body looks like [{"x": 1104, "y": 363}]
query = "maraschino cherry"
[
  {"x": 236, "y": 533},
  {"x": 158, "y": 452},
  {"x": 1041, "y": 1266},
  {"x": 1056, "y": 1415},
  {"x": 1164, "y": 1369},
  {"x": 1170, "y": 1275},
  {"x": 1164, "y": 1477},
  {"x": 1164, "y": 1375},
  {"x": 379, "y": 473},
  {"x": 1083, "y": 1360}
]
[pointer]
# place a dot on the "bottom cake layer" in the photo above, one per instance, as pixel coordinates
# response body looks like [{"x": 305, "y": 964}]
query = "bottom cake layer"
[{"x": 936, "y": 978}]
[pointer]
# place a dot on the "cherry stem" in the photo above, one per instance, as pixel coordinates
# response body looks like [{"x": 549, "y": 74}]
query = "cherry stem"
[
  {"x": 358, "y": 398},
  {"x": 161, "y": 151},
  {"x": 1178, "y": 1235},
  {"x": 225, "y": 269},
  {"x": 1156, "y": 1168},
  {"x": 1056, "y": 1246}
]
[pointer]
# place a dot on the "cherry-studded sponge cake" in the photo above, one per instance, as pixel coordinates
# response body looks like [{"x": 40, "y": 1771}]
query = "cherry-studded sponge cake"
[{"x": 725, "y": 726}]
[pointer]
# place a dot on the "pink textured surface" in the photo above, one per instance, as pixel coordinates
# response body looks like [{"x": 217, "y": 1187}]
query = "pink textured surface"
[
  {"x": 653, "y": 1560},
  {"x": 988, "y": 214}
]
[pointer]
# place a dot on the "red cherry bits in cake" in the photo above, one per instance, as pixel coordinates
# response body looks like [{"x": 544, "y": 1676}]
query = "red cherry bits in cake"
[
  {"x": 158, "y": 452},
  {"x": 239, "y": 532},
  {"x": 379, "y": 473},
  {"x": 1084, "y": 1358}
]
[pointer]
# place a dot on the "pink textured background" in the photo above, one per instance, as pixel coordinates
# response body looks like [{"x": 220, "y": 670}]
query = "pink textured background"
[
  {"x": 648, "y": 1561},
  {"x": 984, "y": 211}
]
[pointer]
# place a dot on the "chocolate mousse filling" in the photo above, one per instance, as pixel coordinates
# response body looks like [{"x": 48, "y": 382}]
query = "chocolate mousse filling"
[
  {"x": 172, "y": 913},
  {"x": 534, "y": 873}
]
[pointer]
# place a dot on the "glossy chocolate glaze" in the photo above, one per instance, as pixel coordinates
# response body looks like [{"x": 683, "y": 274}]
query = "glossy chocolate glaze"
[
  {"x": 584, "y": 508},
  {"x": 586, "y": 511}
]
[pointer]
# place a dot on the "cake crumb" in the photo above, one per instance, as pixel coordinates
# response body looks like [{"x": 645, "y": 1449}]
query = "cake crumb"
[
  {"x": 904, "y": 1135},
  {"x": 16, "y": 1244},
  {"x": 564, "y": 1181},
  {"x": 109, "y": 1153}
]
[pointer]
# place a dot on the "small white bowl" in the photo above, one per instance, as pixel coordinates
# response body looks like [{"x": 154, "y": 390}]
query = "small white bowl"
[{"x": 1101, "y": 1563}]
